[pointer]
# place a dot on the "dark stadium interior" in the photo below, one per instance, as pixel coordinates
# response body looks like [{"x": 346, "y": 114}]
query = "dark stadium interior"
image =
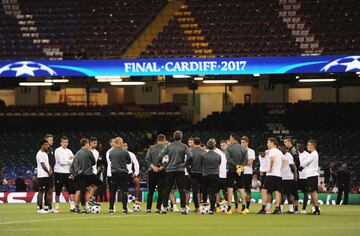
[{"x": 336, "y": 125}]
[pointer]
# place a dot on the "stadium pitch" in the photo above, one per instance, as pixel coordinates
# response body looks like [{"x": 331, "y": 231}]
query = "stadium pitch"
[{"x": 22, "y": 219}]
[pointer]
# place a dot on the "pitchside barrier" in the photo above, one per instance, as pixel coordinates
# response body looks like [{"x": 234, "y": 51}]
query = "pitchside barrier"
[{"x": 31, "y": 197}]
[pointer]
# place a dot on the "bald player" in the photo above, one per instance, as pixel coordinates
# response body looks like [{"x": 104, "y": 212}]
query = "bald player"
[{"x": 119, "y": 159}]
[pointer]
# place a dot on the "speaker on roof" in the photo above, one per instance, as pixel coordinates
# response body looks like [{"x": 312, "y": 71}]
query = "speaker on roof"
[
  {"x": 55, "y": 88},
  {"x": 193, "y": 85}
]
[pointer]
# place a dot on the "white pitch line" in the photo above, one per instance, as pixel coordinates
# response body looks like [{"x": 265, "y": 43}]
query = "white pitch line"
[{"x": 64, "y": 219}]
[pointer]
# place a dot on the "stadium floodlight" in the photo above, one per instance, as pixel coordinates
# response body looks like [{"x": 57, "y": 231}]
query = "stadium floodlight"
[
  {"x": 220, "y": 81},
  {"x": 256, "y": 75},
  {"x": 109, "y": 80},
  {"x": 128, "y": 83},
  {"x": 181, "y": 76},
  {"x": 108, "y": 77},
  {"x": 56, "y": 81},
  {"x": 297, "y": 77},
  {"x": 35, "y": 84},
  {"x": 198, "y": 78},
  {"x": 316, "y": 80}
]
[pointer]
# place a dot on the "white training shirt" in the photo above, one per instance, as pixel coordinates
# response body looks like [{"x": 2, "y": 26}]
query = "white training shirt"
[
  {"x": 135, "y": 162},
  {"x": 108, "y": 171},
  {"x": 286, "y": 173},
  {"x": 302, "y": 157},
  {"x": 63, "y": 160},
  {"x": 311, "y": 164},
  {"x": 248, "y": 170},
  {"x": 42, "y": 157},
  {"x": 96, "y": 155},
  {"x": 264, "y": 163},
  {"x": 222, "y": 167},
  {"x": 278, "y": 157}
]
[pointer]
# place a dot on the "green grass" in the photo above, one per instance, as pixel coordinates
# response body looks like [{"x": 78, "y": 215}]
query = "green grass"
[{"x": 21, "y": 219}]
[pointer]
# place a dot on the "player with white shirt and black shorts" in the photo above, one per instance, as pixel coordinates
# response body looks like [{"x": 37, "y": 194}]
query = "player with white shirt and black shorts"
[
  {"x": 63, "y": 159},
  {"x": 51, "y": 151},
  {"x": 264, "y": 164},
  {"x": 222, "y": 175},
  {"x": 311, "y": 166},
  {"x": 187, "y": 179},
  {"x": 288, "y": 175},
  {"x": 108, "y": 170},
  {"x": 248, "y": 172},
  {"x": 288, "y": 142},
  {"x": 302, "y": 182},
  {"x": 95, "y": 152},
  {"x": 264, "y": 167},
  {"x": 93, "y": 145},
  {"x": 133, "y": 174},
  {"x": 273, "y": 179},
  {"x": 44, "y": 172}
]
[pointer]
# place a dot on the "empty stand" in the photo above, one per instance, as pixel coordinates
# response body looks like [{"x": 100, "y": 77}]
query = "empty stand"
[
  {"x": 336, "y": 24},
  {"x": 80, "y": 29}
]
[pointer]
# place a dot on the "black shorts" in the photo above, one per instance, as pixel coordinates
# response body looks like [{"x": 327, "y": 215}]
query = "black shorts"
[
  {"x": 61, "y": 180},
  {"x": 52, "y": 181},
  {"x": 289, "y": 187},
  {"x": 88, "y": 180},
  {"x": 272, "y": 183},
  {"x": 246, "y": 182},
  {"x": 109, "y": 182},
  {"x": 119, "y": 181},
  {"x": 302, "y": 185},
  {"x": 233, "y": 180},
  {"x": 222, "y": 184},
  {"x": 312, "y": 184},
  {"x": 76, "y": 184},
  {"x": 44, "y": 183},
  {"x": 187, "y": 183},
  {"x": 262, "y": 178}
]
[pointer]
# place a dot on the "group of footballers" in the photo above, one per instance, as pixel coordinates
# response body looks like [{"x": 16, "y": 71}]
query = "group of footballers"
[{"x": 208, "y": 171}]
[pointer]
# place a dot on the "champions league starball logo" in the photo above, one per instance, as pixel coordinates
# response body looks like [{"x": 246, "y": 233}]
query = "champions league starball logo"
[
  {"x": 26, "y": 68},
  {"x": 345, "y": 64}
]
